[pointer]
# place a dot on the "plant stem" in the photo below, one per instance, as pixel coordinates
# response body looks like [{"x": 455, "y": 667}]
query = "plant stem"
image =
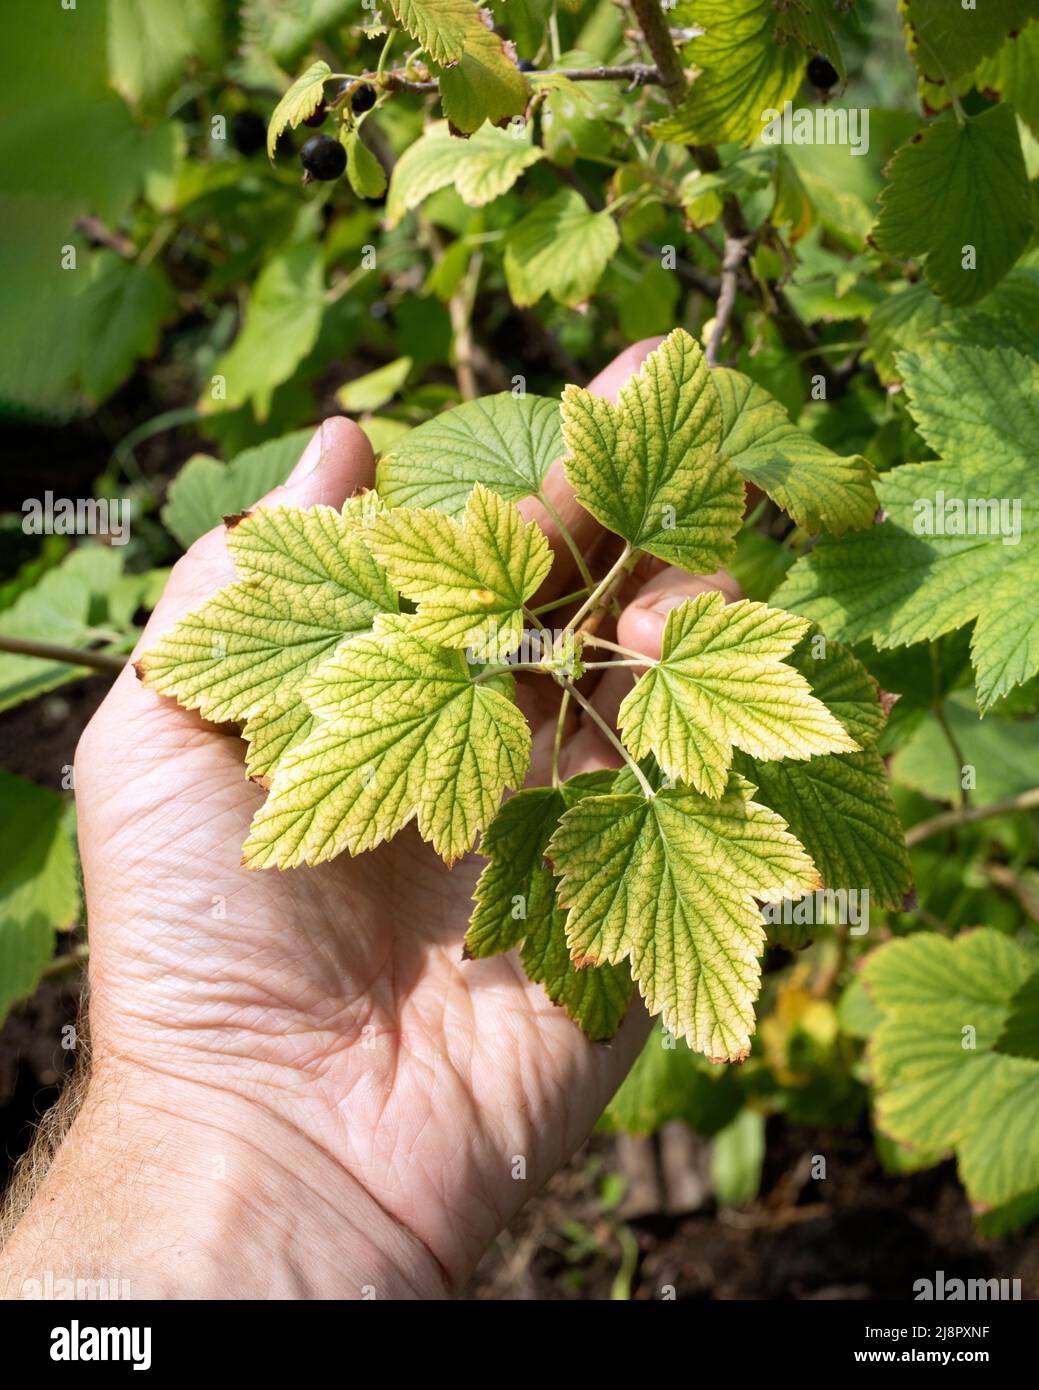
[
  {"x": 944, "y": 725},
  {"x": 639, "y": 659},
  {"x": 794, "y": 333},
  {"x": 559, "y": 602},
  {"x": 591, "y": 602},
  {"x": 736, "y": 249},
  {"x": 669, "y": 65},
  {"x": 71, "y": 656},
  {"x": 571, "y": 544},
  {"x": 967, "y": 815},
  {"x": 381, "y": 68},
  {"x": 607, "y": 733},
  {"x": 613, "y": 665},
  {"x": 557, "y": 743}
]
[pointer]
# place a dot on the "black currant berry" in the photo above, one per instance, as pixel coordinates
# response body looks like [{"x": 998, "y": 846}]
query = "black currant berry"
[
  {"x": 525, "y": 65},
  {"x": 248, "y": 132},
  {"x": 318, "y": 118},
  {"x": 363, "y": 99},
  {"x": 822, "y": 73},
  {"x": 322, "y": 158}
]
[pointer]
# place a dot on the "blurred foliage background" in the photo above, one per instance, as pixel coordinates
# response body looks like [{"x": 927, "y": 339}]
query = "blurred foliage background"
[{"x": 180, "y": 311}]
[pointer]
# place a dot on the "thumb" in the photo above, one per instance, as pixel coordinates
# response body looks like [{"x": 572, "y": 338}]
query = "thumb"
[{"x": 337, "y": 462}]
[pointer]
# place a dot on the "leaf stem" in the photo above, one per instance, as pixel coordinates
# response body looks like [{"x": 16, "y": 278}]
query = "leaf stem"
[
  {"x": 640, "y": 660},
  {"x": 592, "y": 601},
  {"x": 559, "y": 602},
  {"x": 381, "y": 68},
  {"x": 564, "y": 531},
  {"x": 71, "y": 656},
  {"x": 557, "y": 743},
  {"x": 943, "y": 723},
  {"x": 967, "y": 815},
  {"x": 607, "y": 733}
]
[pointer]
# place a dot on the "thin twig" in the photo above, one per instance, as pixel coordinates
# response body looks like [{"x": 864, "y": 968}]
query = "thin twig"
[
  {"x": 71, "y": 656},
  {"x": 635, "y": 74},
  {"x": 967, "y": 815},
  {"x": 736, "y": 249},
  {"x": 96, "y": 230}
]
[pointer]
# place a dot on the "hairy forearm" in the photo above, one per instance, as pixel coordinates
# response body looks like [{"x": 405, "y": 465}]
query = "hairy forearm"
[{"x": 179, "y": 1191}]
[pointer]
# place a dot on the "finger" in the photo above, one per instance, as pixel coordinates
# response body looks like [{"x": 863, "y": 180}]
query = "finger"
[
  {"x": 641, "y": 628},
  {"x": 584, "y": 528},
  {"x": 641, "y": 624},
  {"x": 336, "y": 463}
]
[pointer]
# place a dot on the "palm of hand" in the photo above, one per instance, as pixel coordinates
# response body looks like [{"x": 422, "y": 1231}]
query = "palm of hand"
[{"x": 335, "y": 996}]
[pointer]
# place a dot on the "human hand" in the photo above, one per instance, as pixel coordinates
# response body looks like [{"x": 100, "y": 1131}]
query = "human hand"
[{"x": 299, "y": 1065}]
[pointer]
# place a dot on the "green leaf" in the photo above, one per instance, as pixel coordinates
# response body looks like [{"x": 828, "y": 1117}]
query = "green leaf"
[
  {"x": 937, "y": 562},
  {"x": 61, "y": 609},
  {"x": 840, "y": 808},
  {"x": 39, "y": 886},
  {"x": 1004, "y": 754},
  {"x": 306, "y": 582},
  {"x": 721, "y": 683},
  {"x": 486, "y": 84},
  {"x": 650, "y": 468},
  {"x": 206, "y": 490},
  {"x": 374, "y": 389},
  {"x": 281, "y": 326},
  {"x": 469, "y": 579},
  {"x": 1008, "y": 317},
  {"x": 124, "y": 307},
  {"x": 743, "y": 74},
  {"x": 1020, "y": 1035},
  {"x": 940, "y": 1083},
  {"x": 479, "y": 169},
  {"x": 1013, "y": 74},
  {"x": 151, "y": 45},
  {"x": 950, "y": 39},
  {"x": 442, "y": 27},
  {"x": 670, "y": 883},
  {"x": 300, "y": 101},
  {"x": 737, "y": 1157},
  {"x": 506, "y": 442},
  {"x": 668, "y": 1082},
  {"x": 808, "y": 480},
  {"x": 403, "y": 732},
  {"x": 975, "y": 409},
  {"x": 812, "y": 24},
  {"x": 366, "y": 175},
  {"x": 516, "y": 902},
  {"x": 561, "y": 248},
  {"x": 938, "y": 203}
]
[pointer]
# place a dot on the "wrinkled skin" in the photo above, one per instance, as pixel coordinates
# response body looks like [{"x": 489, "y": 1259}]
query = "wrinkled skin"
[{"x": 332, "y": 1004}]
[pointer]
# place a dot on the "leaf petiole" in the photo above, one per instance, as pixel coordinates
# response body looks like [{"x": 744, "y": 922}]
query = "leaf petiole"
[
  {"x": 603, "y": 586},
  {"x": 607, "y": 733},
  {"x": 639, "y": 659},
  {"x": 558, "y": 603},
  {"x": 571, "y": 544}
]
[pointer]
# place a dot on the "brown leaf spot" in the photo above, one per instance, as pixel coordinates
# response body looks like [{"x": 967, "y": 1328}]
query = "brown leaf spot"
[{"x": 232, "y": 521}]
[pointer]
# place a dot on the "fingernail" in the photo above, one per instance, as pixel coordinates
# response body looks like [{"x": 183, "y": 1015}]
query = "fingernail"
[
  {"x": 310, "y": 458},
  {"x": 666, "y": 602}
]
